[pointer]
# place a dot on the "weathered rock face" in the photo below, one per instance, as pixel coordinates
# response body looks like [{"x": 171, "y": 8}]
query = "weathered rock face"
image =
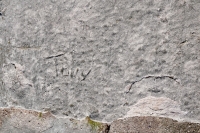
[
  {"x": 96, "y": 58},
  {"x": 28, "y": 121},
  {"x": 151, "y": 124},
  {"x": 152, "y": 106}
]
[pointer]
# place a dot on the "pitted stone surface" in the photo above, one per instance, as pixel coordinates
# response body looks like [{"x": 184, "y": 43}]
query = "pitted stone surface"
[
  {"x": 98, "y": 58},
  {"x": 18, "y": 120},
  {"x": 31, "y": 121},
  {"x": 151, "y": 124}
]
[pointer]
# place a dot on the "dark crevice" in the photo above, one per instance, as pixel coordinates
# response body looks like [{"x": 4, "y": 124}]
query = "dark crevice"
[
  {"x": 13, "y": 65},
  {"x": 27, "y": 47},
  {"x": 107, "y": 130},
  {"x": 54, "y": 56},
  {"x": 2, "y": 12},
  {"x": 147, "y": 77}
]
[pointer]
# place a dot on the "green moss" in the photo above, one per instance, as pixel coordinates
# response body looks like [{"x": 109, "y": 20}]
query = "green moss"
[
  {"x": 40, "y": 115},
  {"x": 97, "y": 126}
]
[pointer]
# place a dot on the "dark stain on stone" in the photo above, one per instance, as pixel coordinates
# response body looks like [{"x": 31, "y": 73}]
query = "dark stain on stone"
[{"x": 21, "y": 94}]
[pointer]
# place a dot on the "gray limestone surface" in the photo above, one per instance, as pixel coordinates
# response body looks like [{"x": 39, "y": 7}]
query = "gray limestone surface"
[{"x": 98, "y": 58}]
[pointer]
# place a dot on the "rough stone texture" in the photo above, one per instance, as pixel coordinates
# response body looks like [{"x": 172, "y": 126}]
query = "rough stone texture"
[
  {"x": 28, "y": 121},
  {"x": 20, "y": 120},
  {"x": 151, "y": 124},
  {"x": 152, "y": 106},
  {"x": 98, "y": 58}
]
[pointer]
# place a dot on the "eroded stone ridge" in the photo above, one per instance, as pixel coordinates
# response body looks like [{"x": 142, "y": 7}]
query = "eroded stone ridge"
[
  {"x": 157, "y": 106},
  {"x": 150, "y": 124},
  {"x": 18, "y": 120}
]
